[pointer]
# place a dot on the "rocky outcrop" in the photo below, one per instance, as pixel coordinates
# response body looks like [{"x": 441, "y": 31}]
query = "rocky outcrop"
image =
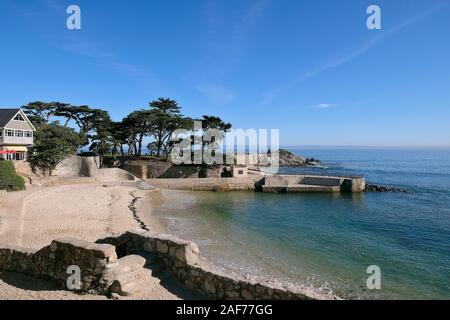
[
  {"x": 288, "y": 159},
  {"x": 377, "y": 188}
]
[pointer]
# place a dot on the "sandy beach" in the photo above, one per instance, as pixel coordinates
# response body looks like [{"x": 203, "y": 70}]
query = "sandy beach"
[{"x": 35, "y": 217}]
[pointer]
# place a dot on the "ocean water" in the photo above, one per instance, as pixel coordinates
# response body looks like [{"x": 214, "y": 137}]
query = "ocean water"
[{"x": 327, "y": 241}]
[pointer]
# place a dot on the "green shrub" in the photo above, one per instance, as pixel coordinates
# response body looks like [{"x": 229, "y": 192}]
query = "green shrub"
[{"x": 9, "y": 180}]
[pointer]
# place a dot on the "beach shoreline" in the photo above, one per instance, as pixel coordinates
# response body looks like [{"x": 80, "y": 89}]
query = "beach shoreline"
[
  {"x": 33, "y": 218},
  {"x": 89, "y": 211}
]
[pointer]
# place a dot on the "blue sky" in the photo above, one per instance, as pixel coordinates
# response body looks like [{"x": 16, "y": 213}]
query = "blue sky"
[{"x": 309, "y": 68}]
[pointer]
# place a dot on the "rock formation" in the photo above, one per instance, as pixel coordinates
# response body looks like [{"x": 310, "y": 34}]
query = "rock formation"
[
  {"x": 377, "y": 188},
  {"x": 288, "y": 159}
]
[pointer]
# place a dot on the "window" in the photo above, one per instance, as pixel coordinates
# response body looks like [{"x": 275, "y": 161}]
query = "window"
[
  {"x": 9, "y": 133},
  {"x": 1, "y": 132},
  {"x": 29, "y": 134},
  {"x": 19, "y": 133},
  {"x": 19, "y": 117},
  {"x": 240, "y": 172}
]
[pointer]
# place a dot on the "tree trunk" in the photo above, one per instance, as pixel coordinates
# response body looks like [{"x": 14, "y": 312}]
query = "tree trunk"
[
  {"x": 159, "y": 143},
  {"x": 140, "y": 144}
]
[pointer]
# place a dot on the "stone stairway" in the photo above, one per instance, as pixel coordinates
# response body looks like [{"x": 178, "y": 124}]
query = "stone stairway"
[
  {"x": 125, "y": 273},
  {"x": 137, "y": 275},
  {"x": 157, "y": 267},
  {"x": 142, "y": 276}
]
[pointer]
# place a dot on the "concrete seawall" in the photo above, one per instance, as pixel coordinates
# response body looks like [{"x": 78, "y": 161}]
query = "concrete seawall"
[
  {"x": 277, "y": 183},
  {"x": 313, "y": 183},
  {"x": 208, "y": 184}
]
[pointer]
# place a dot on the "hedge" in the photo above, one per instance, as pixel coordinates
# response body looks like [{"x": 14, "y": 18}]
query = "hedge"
[{"x": 9, "y": 180}]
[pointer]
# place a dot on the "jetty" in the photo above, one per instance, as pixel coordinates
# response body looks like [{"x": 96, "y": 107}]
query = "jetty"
[
  {"x": 273, "y": 184},
  {"x": 313, "y": 183}
]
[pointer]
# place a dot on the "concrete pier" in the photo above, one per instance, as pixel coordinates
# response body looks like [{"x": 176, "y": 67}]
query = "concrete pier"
[
  {"x": 313, "y": 183},
  {"x": 277, "y": 183}
]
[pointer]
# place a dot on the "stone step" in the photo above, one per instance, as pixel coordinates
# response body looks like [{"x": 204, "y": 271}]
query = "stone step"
[
  {"x": 125, "y": 284},
  {"x": 126, "y": 272},
  {"x": 128, "y": 277},
  {"x": 128, "y": 264}
]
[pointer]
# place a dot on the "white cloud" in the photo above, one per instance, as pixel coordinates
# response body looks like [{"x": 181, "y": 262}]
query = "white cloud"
[
  {"x": 87, "y": 49},
  {"x": 129, "y": 69},
  {"x": 270, "y": 96},
  {"x": 234, "y": 46},
  {"x": 326, "y": 106},
  {"x": 217, "y": 94}
]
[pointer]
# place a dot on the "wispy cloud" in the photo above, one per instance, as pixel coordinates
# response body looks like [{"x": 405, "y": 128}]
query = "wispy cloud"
[
  {"x": 106, "y": 58},
  {"x": 217, "y": 94},
  {"x": 84, "y": 46},
  {"x": 128, "y": 69},
  {"x": 234, "y": 48},
  {"x": 229, "y": 51},
  {"x": 54, "y": 5},
  {"x": 87, "y": 49},
  {"x": 270, "y": 96},
  {"x": 325, "y": 106}
]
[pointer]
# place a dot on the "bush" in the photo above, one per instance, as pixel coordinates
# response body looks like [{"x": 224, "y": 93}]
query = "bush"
[{"x": 9, "y": 180}]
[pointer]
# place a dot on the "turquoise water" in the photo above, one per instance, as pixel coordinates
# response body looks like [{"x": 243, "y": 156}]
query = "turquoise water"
[{"x": 327, "y": 241}]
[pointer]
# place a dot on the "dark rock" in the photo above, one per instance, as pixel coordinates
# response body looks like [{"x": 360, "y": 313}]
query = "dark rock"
[
  {"x": 378, "y": 188},
  {"x": 288, "y": 159}
]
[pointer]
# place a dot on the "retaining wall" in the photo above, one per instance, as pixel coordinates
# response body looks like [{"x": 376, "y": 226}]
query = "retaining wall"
[
  {"x": 52, "y": 262},
  {"x": 209, "y": 184},
  {"x": 180, "y": 257},
  {"x": 183, "y": 260},
  {"x": 152, "y": 169}
]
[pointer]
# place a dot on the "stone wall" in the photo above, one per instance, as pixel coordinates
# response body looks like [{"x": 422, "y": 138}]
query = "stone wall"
[
  {"x": 209, "y": 184},
  {"x": 76, "y": 166},
  {"x": 152, "y": 169},
  {"x": 180, "y": 257},
  {"x": 183, "y": 260},
  {"x": 52, "y": 262}
]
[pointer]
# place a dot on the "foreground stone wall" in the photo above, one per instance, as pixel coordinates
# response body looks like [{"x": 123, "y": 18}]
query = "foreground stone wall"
[
  {"x": 180, "y": 257},
  {"x": 183, "y": 260},
  {"x": 52, "y": 262}
]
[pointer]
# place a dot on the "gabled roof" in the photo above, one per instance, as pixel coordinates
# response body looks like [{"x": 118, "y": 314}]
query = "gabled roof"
[{"x": 6, "y": 115}]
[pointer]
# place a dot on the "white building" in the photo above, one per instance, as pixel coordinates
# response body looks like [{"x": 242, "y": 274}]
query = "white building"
[{"x": 16, "y": 134}]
